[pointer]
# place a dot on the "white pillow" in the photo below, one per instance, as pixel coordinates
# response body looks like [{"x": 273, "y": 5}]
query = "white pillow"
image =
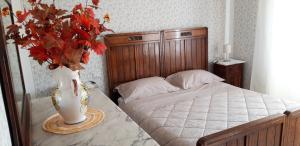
[
  {"x": 144, "y": 88},
  {"x": 192, "y": 78}
]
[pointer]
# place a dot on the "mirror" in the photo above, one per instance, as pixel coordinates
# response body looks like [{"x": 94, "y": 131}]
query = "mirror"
[{"x": 14, "y": 63}]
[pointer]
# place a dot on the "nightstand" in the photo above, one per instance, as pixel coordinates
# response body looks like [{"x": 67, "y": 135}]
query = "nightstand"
[{"x": 231, "y": 71}]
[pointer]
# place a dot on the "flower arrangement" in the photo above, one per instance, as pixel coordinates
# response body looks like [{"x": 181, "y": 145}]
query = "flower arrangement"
[{"x": 57, "y": 36}]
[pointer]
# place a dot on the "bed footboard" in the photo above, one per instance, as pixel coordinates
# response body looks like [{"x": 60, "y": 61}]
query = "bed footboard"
[
  {"x": 291, "y": 132},
  {"x": 263, "y": 132}
]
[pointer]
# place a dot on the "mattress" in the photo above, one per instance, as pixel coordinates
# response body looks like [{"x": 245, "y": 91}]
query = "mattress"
[{"x": 181, "y": 118}]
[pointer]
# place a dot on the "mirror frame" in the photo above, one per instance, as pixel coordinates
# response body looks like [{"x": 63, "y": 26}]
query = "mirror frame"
[{"x": 20, "y": 128}]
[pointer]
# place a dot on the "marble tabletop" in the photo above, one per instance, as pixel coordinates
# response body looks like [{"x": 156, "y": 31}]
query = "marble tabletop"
[
  {"x": 117, "y": 129},
  {"x": 230, "y": 62}
]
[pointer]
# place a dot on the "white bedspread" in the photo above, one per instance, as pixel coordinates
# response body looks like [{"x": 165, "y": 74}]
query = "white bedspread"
[{"x": 181, "y": 118}]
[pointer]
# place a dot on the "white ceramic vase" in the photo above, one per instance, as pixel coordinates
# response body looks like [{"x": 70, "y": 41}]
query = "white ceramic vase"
[{"x": 70, "y": 98}]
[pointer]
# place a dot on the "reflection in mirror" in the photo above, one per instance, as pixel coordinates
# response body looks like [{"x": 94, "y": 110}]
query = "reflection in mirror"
[
  {"x": 14, "y": 62},
  {"x": 5, "y": 139}
]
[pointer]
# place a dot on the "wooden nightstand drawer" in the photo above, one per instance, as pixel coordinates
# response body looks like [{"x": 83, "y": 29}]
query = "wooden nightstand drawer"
[
  {"x": 231, "y": 72},
  {"x": 220, "y": 70}
]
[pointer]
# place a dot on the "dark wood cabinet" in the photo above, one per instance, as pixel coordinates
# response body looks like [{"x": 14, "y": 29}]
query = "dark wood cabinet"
[{"x": 231, "y": 71}]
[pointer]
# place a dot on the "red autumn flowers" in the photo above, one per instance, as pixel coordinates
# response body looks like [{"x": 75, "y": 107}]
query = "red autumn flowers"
[{"x": 59, "y": 37}]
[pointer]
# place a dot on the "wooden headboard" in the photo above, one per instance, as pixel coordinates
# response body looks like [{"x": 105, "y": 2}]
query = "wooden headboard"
[
  {"x": 184, "y": 49},
  {"x": 132, "y": 56}
]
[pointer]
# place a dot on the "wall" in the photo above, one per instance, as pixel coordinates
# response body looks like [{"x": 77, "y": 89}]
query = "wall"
[
  {"x": 4, "y": 134},
  {"x": 245, "y": 14},
  {"x": 143, "y": 15},
  {"x": 229, "y": 22}
]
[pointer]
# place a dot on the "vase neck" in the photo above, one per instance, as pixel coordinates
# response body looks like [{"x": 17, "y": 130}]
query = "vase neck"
[{"x": 67, "y": 79}]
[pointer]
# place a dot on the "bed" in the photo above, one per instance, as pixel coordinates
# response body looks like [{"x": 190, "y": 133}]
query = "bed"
[{"x": 215, "y": 114}]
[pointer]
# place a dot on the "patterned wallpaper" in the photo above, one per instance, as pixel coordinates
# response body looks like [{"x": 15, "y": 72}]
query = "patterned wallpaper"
[
  {"x": 144, "y": 15},
  {"x": 244, "y": 34}
]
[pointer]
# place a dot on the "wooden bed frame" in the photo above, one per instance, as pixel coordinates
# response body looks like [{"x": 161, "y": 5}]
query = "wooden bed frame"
[{"x": 132, "y": 56}]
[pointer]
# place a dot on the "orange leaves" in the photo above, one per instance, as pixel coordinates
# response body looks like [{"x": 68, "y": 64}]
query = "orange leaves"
[
  {"x": 89, "y": 12},
  {"x": 38, "y": 53},
  {"x": 57, "y": 36},
  {"x": 12, "y": 30},
  {"x": 85, "y": 57},
  {"x": 21, "y": 16},
  {"x": 18, "y": 13},
  {"x": 98, "y": 47},
  {"x": 77, "y": 9},
  {"x": 31, "y": 1},
  {"x": 53, "y": 11},
  {"x": 55, "y": 54},
  {"x": 85, "y": 43},
  {"x": 82, "y": 34},
  {"x": 5, "y": 11},
  {"x": 96, "y": 2},
  {"x": 85, "y": 21},
  {"x": 32, "y": 27}
]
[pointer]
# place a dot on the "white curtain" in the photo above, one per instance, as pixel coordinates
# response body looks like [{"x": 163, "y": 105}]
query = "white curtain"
[{"x": 276, "y": 62}]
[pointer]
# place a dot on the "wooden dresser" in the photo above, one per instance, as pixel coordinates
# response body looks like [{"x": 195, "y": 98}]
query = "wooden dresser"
[
  {"x": 117, "y": 129},
  {"x": 231, "y": 71}
]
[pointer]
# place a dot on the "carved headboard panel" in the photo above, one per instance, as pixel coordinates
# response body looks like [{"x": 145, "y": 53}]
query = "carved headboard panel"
[
  {"x": 132, "y": 56},
  {"x": 184, "y": 49}
]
